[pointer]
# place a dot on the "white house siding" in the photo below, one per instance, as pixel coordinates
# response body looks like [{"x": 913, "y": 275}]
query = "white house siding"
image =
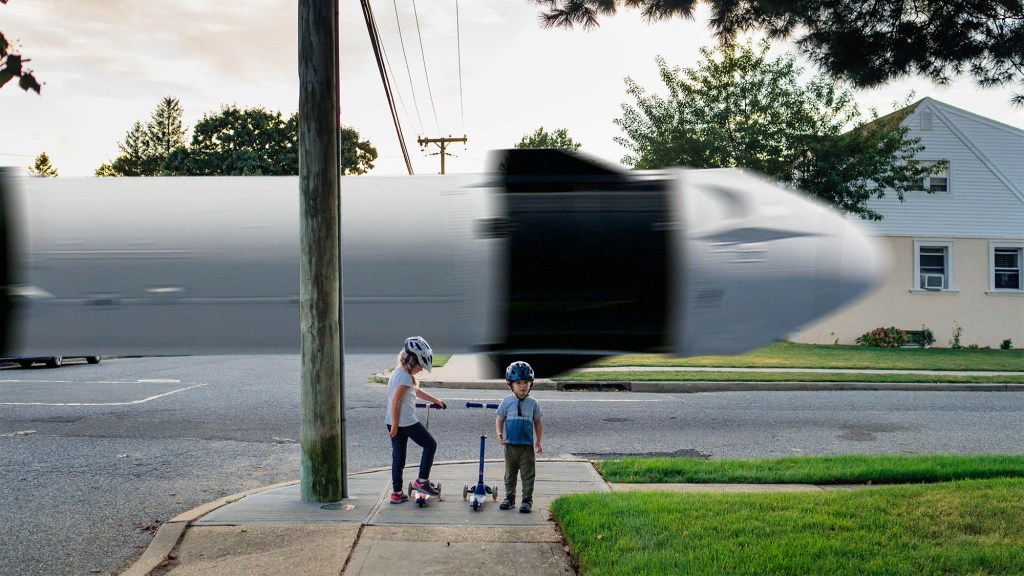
[
  {"x": 985, "y": 318},
  {"x": 985, "y": 202},
  {"x": 979, "y": 203}
]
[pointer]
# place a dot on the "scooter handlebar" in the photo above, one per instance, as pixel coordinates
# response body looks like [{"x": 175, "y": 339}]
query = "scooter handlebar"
[
  {"x": 479, "y": 405},
  {"x": 434, "y": 406}
]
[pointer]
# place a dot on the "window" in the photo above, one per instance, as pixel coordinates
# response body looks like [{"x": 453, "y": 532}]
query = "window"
[
  {"x": 938, "y": 182},
  {"x": 933, "y": 265},
  {"x": 1005, "y": 264}
]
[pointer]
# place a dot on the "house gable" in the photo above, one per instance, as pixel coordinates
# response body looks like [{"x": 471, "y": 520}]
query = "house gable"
[{"x": 986, "y": 178}]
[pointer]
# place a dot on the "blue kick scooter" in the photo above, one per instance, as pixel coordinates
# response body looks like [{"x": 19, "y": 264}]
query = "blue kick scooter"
[{"x": 481, "y": 490}]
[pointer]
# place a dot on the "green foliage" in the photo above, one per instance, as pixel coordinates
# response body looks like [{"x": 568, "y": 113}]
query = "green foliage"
[
  {"x": 890, "y": 337},
  {"x": 868, "y": 44},
  {"x": 924, "y": 338},
  {"x": 147, "y": 146},
  {"x": 255, "y": 141},
  {"x": 164, "y": 130},
  {"x": 237, "y": 142},
  {"x": 541, "y": 138},
  {"x": 356, "y": 156},
  {"x": 43, "y": 167},
  {"x": 738, "y": 108},
  {"x": 958, "y": 332},
  {"x": 1006, "y": 344}
]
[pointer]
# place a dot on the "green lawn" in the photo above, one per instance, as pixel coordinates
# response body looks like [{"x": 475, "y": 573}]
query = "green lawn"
[
  {"x": 851, "y": 469},
  {"x": 966, "y": 526},
  {"x": 838, "y": 376},
  {"x": 790, "y": 355}
]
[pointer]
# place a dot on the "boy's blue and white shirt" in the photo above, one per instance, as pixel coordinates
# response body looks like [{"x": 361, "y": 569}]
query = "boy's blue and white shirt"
[{"x": 519, "y": 429}]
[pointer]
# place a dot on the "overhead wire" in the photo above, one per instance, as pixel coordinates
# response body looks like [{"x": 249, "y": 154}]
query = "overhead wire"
[
  {"x": 458, "y": 45},
  {"x": 371, "y": 27},
  {"x": 426, "y": 73},
  {"x": 408, "y": 70}
]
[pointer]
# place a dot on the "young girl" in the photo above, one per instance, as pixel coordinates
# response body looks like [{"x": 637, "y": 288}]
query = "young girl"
[{"x": 401, "y": 420}]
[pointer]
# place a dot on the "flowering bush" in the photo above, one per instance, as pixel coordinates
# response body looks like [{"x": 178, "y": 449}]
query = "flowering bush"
[{"x": 890, "y": 337}]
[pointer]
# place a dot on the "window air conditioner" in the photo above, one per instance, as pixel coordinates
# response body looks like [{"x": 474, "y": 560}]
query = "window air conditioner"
[{"x": 934, "y": 281}]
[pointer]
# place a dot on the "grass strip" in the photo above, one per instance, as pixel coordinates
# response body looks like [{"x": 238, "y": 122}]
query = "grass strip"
[
  {"x": 791, "y": 355},
  {"x": 968, "y": 527},
  {"x": 712, "y": 376},
  {"x": 848, "y": 469}
]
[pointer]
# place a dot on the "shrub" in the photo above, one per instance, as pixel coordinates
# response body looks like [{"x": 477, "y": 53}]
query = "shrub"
[
  {"x": 954, "y": 342},
  {"x": 890, "y": 337},
  {"x": 925, "y": 337},
  {"x": 1006, "y": 344}
]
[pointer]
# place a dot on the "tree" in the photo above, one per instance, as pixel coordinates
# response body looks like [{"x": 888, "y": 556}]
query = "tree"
[
  {"x": 165, "y": 130},
  {"x": 236, "y": 142},
  {"x": 255, "y": 141},
  {"x": 541, "y": 138},
  {"x": 356, "y": 156},
  {"x": 137, "y": 157},
  {"x": 867, "y": 43},
  {"x": 42, "y": 167},
  {"x": 147, "y": 146},
  {"x": 12, "y": 66},
  {"x": 744, "y": 110}
]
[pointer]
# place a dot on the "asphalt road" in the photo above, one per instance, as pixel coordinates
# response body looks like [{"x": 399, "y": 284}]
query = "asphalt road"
[{"x": 94, "y": 457}]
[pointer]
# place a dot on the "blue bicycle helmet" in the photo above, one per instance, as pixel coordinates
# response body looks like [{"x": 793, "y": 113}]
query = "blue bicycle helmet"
[
  {"x": 518, "y": 371},
  {"x": 418, "y": 348}
]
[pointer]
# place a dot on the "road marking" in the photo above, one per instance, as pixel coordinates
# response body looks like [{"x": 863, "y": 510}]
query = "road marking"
[
  {"x": 19, "y": 433},
  {"x": 129, "y": 403}
]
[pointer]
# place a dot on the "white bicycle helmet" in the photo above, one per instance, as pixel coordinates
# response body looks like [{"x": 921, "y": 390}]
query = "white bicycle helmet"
[{"x": 418, "y": 348}]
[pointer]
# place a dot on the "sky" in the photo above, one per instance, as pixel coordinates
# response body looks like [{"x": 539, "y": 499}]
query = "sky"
[{"x": 494, "y": 74}]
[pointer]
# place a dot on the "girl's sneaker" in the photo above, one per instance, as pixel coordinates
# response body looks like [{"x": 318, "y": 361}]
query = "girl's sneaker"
[
  {"x": 427, "y": 487},
  {"x": 398, "y": 497}
]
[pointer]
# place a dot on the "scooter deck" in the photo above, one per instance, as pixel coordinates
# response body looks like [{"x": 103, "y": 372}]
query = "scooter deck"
[{"x": 422, "y": 498}]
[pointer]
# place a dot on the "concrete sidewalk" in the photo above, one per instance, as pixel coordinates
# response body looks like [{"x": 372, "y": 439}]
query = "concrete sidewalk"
[{"x": 271, "y": 531}]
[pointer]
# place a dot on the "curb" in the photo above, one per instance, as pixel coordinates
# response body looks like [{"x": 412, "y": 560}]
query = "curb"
[{"x": 170, "y": 532}]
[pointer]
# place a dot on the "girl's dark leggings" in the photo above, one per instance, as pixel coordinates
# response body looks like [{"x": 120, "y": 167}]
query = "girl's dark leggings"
[{"x": 399, "y": 444}]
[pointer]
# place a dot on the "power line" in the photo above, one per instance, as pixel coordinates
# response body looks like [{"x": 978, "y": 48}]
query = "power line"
[
  {"x": 426, "y": 73},
  {"x": 408, "y": 69},
  {"x": 458, "y": 45},
  {"x": 371, "y": 27}
]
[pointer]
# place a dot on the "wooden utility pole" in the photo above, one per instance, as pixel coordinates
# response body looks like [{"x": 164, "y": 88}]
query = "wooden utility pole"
[
  {"x": 323, "y": 466},
  {"x": 443, "y": 143}
]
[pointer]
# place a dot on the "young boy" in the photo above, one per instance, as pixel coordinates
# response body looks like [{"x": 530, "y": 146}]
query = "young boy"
[{"x": 518, "y": 421}]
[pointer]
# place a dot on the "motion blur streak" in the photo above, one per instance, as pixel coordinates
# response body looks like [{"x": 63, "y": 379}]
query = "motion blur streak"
[{"x": 554, "y": 258}]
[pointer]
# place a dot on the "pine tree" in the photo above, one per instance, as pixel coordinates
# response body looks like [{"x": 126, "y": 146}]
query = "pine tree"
[{"x": 43, "y": 167}]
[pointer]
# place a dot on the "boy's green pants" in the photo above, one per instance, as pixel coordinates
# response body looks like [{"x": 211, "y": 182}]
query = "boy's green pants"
[{"x": 520, "y": 459}]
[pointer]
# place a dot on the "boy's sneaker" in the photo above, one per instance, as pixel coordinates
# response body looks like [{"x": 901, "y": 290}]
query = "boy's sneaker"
[
  {"x": 398, "y": 497},
  {"x": 427, "y": 487},
  {"x": 526, "y": 507},
  {"x": 507, "y": 503}
]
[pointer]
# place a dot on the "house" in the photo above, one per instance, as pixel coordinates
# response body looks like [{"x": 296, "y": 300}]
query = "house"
[{"x": 956, "y": 254}]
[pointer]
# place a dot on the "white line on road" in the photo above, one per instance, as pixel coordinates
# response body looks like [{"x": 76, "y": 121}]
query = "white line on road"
[
  {"x": 101, "y": 403},
  {"x": 19, "y": 433}
]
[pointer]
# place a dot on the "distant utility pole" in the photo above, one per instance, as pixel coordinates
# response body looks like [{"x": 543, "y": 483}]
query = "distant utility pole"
[
  {"x": 443, "y": 143},
  {"x": 322, "y": 428}
]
